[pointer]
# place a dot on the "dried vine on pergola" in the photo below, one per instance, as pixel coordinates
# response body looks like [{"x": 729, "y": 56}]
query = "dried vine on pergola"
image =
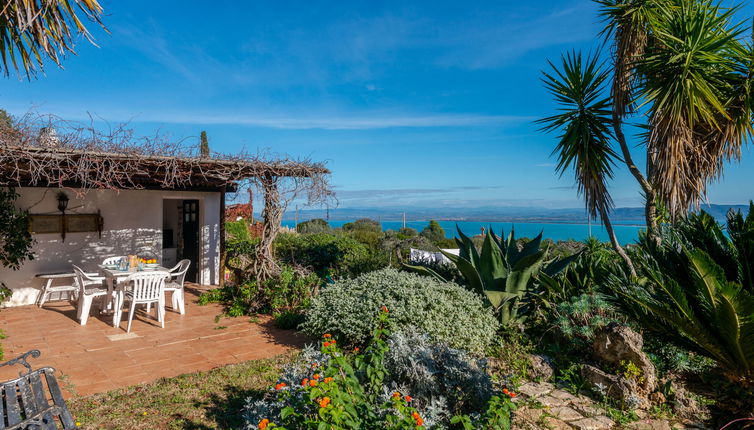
[{"x": 84, "y": 157}]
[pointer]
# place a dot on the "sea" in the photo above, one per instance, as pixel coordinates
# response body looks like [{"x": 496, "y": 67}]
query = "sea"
[{"x": 626, "y": 234}]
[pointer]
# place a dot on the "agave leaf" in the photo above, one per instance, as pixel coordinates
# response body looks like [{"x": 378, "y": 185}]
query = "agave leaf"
[
  {"x": 532, "y": 246},
  {"x": 468, "y": 271},
  {"x": 557, "y": 266},
  {"x": 491, "y": 264}
]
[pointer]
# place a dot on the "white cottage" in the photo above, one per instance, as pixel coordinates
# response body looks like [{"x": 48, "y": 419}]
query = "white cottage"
[{"x": 88, "y": 206}]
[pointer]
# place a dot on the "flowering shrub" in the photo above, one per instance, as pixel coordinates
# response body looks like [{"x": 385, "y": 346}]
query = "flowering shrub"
[
  {"x": 437, "y": 375},
  {"x": 449, "y": 313},
  {"x": 334, "y": 390}
]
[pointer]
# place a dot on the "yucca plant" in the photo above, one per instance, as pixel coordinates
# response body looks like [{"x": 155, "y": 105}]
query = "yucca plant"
[
  {"x": 502, "y": 272},
  {"x": 696, "y": 290}
]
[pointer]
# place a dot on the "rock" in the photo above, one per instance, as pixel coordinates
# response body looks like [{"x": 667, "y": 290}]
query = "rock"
[
  {"x": 589, "y": 410},
  {"x": 684, "y": 405},
  {"x": 616, "y": 343},
  {"x": 565, "y": 396},
  {"x": 550, "y": 401},
  {"x": 619, "y": 388},
  {"x": 541, "y": 367},
  {"x": 527, "y": 414},
  {"x": 591, "y": 424},
  {"x": 565, "y": 413},
  {"x": 535, "y": 389},
  {"x": 556, "y": 424},
  {"x": 649, "y": 425},
  {"x": 657, "y": 398}
]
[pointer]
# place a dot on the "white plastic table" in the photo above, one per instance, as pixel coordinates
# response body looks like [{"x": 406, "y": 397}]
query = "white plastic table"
[
  {"x": 115, "y": 287},
  {"x": 49, "y": 288}
]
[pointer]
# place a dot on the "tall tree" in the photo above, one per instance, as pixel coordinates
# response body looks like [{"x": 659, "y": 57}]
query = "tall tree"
[
  {"x": 584, "y": 143},
  {"x": 32, "y": 31},
  {"x": 683, "y": 63},
  {"x": 680, "y": 68},
  {"x": 203, "y": 144}
]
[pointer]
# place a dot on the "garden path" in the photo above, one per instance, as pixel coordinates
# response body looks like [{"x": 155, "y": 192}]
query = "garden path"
[{"x": 544, "y": 406}]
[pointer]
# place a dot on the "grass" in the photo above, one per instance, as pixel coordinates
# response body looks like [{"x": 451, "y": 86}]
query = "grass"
[{"x": 203, "y": 400}]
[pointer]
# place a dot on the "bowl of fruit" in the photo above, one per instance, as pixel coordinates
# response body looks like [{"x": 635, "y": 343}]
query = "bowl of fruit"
[{"x": 149, "y": 263}]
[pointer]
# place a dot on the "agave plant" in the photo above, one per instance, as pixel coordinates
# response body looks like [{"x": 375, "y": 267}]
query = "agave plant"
[
  {"x": 502, "y": 272},
  {"x": 696, "y": 290}
]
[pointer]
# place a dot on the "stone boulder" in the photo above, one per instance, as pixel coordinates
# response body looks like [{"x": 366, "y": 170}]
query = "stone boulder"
[
  {"x": 616, "y": 343},
  {"x": 617, "y": 387},
  {"x": 541, "y": 367}
]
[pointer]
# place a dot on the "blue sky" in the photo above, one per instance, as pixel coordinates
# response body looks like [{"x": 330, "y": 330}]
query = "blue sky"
[{"x": 409, "y": 103}]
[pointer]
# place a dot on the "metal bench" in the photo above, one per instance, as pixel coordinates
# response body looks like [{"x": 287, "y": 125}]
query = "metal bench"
[{"x": 33, "y": 400}]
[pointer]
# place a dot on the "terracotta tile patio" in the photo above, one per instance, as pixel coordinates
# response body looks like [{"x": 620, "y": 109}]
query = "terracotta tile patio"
[{"x": 98, "y": 357}]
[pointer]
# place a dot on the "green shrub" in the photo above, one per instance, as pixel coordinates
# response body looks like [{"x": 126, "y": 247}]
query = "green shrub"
[
  {"x": 364, "y": 224},
  {"x": 444, "y": 310},
  {"x": 325, "y": 253},
  {"x": 434, "y": 231},
  {"x": 237, "y": 230},
  {"x": 696, "y": 290},
  {"x": 581, "y": 317},
  {"x": 288, "y": 320},
  {"x": 311, "y": 226},
  {"x": 290, "y": 291}
]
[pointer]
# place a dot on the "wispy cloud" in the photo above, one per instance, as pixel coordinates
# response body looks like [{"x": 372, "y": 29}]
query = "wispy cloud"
[{"x": 335, "y": 122}]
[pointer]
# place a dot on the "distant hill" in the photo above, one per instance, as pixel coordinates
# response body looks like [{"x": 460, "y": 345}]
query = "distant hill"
[{"x": 495, "y": 214}]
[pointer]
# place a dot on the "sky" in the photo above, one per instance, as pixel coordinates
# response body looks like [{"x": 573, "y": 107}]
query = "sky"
[{"x": 410, "y": 104}]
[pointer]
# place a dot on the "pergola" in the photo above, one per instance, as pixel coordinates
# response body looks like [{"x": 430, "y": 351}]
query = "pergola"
[{"x": 130, "y": 167}]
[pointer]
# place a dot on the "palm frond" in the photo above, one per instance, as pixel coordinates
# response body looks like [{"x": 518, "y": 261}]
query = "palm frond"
[
  {"x": 32, "y": 31},
  {"x": 578, "y": 87}
]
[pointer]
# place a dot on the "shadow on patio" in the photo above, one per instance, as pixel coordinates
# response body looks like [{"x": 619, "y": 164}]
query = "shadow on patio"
[{"x": 99, "y": 357}]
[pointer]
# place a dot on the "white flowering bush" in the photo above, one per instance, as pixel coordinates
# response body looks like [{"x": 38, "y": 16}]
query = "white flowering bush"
[
  {"x": 438, "y": 376},
  {"x": 446, "y": 311}
]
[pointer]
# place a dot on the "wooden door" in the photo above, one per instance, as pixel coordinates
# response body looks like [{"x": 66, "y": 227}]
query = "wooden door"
[{"x": 190, "y": 230}]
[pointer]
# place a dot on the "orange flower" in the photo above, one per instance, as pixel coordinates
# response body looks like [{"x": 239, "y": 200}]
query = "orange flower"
[
  {"x": 332, "y": 342},
  {"x": 505, "y": 391},
  {"x": 326, "y": 344},
  {"x": 312, "y": 383},
  {"x": 316, "y": 376},
  {"x": 396, "y": 395},
  {"x": 263, "y": 424},
  {"x": 327, "y": 335},
  {"x": 314, "y": 365},
  {"x": 328, "y": 379},
  {"x": 417, "y": 419},
  {"x": 356, "y": 349},
  {"x": 512, "y": 394},
  {"x": 408, "y": 398},
  {"x": 280, "y": 386},
  {"x": 324, "y": 402},
  {"x": 384, "y": 309},
  {"x": 304, "y": 382}
]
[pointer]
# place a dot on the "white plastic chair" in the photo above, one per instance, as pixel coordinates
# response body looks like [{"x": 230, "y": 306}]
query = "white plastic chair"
[
  {"x": 113, "y": 260},
  {"x": 89, "y": 288},
  {"x": 175, "y": 285},
  {"x": 146, "y": 288}
]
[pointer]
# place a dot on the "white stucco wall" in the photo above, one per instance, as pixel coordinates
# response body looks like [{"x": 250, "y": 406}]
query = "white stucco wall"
[{"x": 133, "y": 222}]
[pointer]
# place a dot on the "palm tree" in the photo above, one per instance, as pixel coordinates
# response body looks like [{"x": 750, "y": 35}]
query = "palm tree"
[
  {"x": 584, "y": 144},
  {"x": 32, "y": 31},
  {"x": 683, "y": 64},
  {"x": 627, "y": 24}
]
